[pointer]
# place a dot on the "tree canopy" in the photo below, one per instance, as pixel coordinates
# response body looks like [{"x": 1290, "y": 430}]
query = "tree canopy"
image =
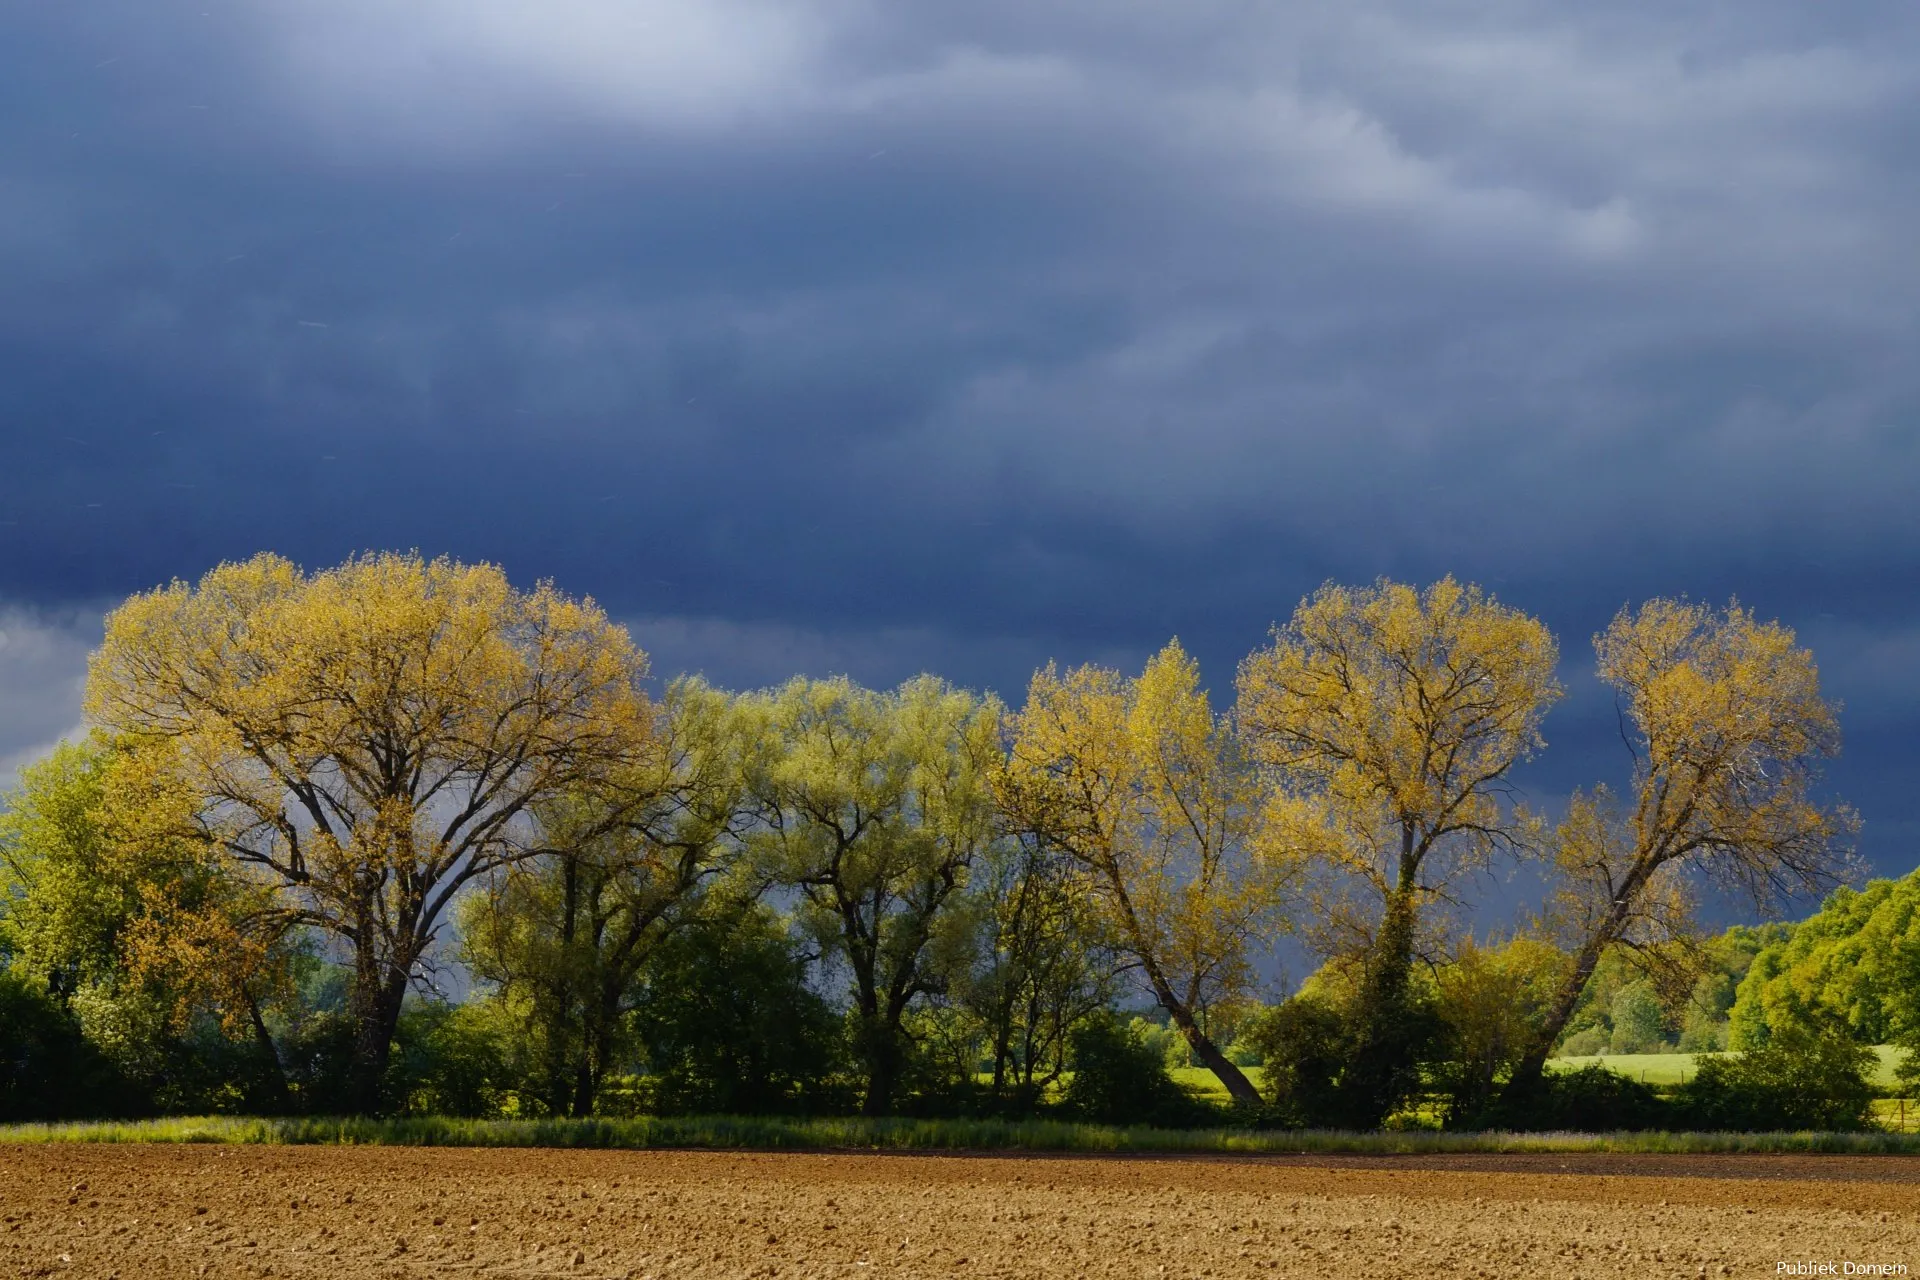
[{"x": 368, "y": 739}]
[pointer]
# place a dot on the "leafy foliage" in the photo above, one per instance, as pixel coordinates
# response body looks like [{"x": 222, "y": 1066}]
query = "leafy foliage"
[
  {"x": 1303, "y": 1045},
  {"x": 1152, "y": 796},
  {"x": 1388, "y": 717},
  {"x": 366, "y": 740},
  {"x": 874, "y": 806},
  {"x": 232, "y": 896},
  {"x": 1590, "y": 1100},
  {"x": 1490, "y": 1002},
  {"x": 1854, "y": 964},
  {"x": 1799, "y": 1079},
  {"x": 729, "y": 1024},
  {"x": 1728, "y": 728},
  {"x": 48, "y": 1069},
  {"x": 1121, "y": 1078}
]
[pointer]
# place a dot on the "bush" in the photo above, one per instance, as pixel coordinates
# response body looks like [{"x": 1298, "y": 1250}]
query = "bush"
[
  {"x": 1120, "y": 1077},
  {"x": 1590, "y": 1100},
  {"x": 730, "y": 1026},
  {"x": 1589, "y": 1042},
  {"x": 1637, "y": 1020},
  {"x": 1799, "y": 1079},
  {"x": 1303, "y": 1044},
  {"x": 48, "y": 1069},
  {"x": 449, "y": 1060}
]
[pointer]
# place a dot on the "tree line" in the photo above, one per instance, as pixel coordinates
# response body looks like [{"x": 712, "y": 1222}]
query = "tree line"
[{"x": 309, "y": 801}]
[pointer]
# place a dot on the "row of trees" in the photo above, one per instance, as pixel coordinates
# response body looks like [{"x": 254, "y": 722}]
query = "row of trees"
[{"x": 397, "y": 763}]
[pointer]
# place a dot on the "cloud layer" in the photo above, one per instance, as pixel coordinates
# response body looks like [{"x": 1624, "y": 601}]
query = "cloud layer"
[{"x": 832, "y": 335}]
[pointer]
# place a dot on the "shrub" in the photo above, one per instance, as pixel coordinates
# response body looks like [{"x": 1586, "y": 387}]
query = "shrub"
[
  {"x": 1590, "y": 1100},
  {"x": 730, "y": 1025},
  {"x": 1637, "y": 1026},
  {"x": 1492, "y": 1003},
  {"x": 1303, "y": 1043},
  {"x": 48, "y": 1069},
  {"x": 1800, "y": 1079},
  {"x": 1119, "y": 1077},
  {"x": 1587, "y": 1042},
  {"x": 449, "y": 1060}
]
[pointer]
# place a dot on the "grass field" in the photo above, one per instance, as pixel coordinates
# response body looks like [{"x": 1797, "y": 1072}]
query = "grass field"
[
  {"x": 773, "y": 1133},
  {"x": 1672, "y": 1068},
  {"x": 1650, "y": 1068}
]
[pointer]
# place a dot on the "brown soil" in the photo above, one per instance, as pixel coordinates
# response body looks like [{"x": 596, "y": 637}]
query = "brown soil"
[{"x": 342, "y": 1213}]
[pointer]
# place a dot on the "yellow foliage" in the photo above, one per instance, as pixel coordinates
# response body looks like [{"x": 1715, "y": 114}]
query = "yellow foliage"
[
  {"x": 1725, "y": 719},
  {"x": 1150, "y": 793},
  {"x": 1387, "y": 717},
  {"x": 367, "y": 738}
]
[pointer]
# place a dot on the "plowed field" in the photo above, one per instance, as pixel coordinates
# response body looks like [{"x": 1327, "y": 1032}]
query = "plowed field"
[{"x": 341, "y": 1213}]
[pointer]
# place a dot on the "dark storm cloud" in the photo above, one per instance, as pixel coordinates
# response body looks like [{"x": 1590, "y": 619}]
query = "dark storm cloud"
[{"x": 827, "y": 335}]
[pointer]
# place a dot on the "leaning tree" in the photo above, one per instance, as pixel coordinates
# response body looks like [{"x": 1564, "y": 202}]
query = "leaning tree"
[{"x": 1724, "y": 716}]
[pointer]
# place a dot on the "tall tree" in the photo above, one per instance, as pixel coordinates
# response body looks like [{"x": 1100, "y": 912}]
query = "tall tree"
[
  {"x": 1390, "y": 718},
  {"x": 874, "y": 805},
  {"x": 1728, "y": 730},
  {"x": 566, "y": 936},
  {"x": 1141, "y": 784},
  {"x": 370, "y": 738}
]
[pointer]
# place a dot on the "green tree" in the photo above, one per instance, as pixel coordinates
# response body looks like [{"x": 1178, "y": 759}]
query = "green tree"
[
  {"x": 565, "y": 937},
  {"x": 148, "y": 937},
  {"x": 1637, "y": 1020},
  {"x": 1390, "y": 718},
  {"x": 728, "y": 1023},
  {"x": 1490, "y": 1001},
  {"x": 1802, "y": 1078},
  {"x": 1303, "y": 1043},
  {"x": 1852, "y": 967},
  {"x": 48, "y": 1068},
  {"x": 1119, "y": 1077},
  {"x": 1039, "y": 965},
  {"x": 873, "y": 807}
]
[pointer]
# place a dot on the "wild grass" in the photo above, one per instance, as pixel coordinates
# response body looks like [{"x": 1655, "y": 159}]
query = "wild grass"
[
  {"x": 752, "y": 1133},
  {"x": 1673, "y": 1068}
]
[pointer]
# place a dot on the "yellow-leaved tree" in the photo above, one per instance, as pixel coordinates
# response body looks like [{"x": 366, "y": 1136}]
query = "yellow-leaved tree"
[
  {"x": 367, "y": 739},
  {"x": 1150, "y": 793},
  {"x": 1724, "y": 716},
  {"x": 1389, "y": 718}
]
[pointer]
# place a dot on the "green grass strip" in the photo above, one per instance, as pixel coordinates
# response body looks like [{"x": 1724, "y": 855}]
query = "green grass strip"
[{"x": 750, "y": 1133}]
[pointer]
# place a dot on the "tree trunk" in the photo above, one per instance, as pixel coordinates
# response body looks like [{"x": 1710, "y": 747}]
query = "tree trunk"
[
  {"x": 1232, "y": 1078},
  {"x": 1238, "y": 1087},
  {"x": 1389, "y": 1033},
  {"x": 596, "y": 1048},
  {"x": 1527, "y": 1073},
  {"x": 878, "y": 1046},
  {"x": 376, "y": 1012},
  {"x": 282, "y": 1092}
]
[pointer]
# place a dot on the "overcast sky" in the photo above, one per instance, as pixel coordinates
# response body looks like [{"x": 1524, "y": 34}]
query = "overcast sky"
[{"x": 825, "y": 335}]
